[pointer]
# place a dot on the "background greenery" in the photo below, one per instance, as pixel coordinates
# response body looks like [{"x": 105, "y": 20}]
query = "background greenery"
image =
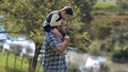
[{"x": 97, "y": 27}]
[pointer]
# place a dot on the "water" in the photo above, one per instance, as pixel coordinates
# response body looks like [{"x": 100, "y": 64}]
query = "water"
[{"x": 83, "y": 62}]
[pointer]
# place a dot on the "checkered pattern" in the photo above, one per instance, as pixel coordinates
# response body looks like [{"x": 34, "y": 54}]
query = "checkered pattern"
[{"x": 52, "y": 60}]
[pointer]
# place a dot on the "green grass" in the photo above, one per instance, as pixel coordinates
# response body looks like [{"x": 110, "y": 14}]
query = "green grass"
[
  {"x": 10, "y": 67},
  {"x": 100, "y": 4}
]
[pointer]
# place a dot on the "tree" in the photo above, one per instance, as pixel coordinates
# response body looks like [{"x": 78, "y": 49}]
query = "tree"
[
  {"x": 122, "y": 4},
  {"x": 86, "y": 7},
  {"x": 25, "y": 18},
  {"x": 1, "y": 45}
]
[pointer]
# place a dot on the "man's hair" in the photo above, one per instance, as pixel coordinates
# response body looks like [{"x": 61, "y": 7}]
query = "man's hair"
[{"x": 68, "y": 10}]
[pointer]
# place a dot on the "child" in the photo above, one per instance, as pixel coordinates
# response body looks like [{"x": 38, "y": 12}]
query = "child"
[{"x": 55, "y": 19}]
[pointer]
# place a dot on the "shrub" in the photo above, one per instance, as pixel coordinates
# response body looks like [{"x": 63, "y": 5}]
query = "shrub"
[
  {"x": 104, "y": 32},
  {"x": 100, "y": 12},
  {"x": 122, "y": 13},
  {"x": 120, "y": 55},
  {"x": 122, "y": 4}
]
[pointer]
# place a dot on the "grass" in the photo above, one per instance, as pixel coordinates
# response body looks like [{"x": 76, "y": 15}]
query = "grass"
[
  {"x": 108, "y": 8},
  {"x": 17, "y": 68},
  {"x": 10, "y": 67},
  {"x": 100, "y": 4}
]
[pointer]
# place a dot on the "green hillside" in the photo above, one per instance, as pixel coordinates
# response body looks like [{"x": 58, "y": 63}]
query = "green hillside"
[{"x": 100, "y": 4}]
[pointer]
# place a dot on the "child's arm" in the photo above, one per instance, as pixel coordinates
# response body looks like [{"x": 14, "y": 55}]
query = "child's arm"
[{"x": 57, "y": 34}]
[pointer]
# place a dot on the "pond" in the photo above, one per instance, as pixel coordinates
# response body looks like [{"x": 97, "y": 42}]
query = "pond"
[{"x": 78, "y": 62}]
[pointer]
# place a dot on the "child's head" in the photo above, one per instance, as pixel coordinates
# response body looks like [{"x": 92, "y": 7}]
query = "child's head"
[{"x": 66, "y": 12}]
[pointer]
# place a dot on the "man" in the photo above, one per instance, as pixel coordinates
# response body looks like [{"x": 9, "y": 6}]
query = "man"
[{"x": 54, "y": 55}]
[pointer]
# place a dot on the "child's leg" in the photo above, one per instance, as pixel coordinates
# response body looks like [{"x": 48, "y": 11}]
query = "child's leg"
[
  {"x": 57, "y": 34},
  {"x": 48, "y": 28}
]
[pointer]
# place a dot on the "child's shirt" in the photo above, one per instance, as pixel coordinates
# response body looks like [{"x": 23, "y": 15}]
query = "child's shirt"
[{"x": 52, "y": 20}]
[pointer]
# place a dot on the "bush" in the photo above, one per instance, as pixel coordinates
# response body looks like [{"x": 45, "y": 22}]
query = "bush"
[
  {"x": 104, "y": 68},
  {"x": 100, "y": 12},
  {"x": 122, "y": 4},
  {"x": 120, "y": 55},
  {"x": 104, "y": 32},
  {"x": 122, "y": 13}
]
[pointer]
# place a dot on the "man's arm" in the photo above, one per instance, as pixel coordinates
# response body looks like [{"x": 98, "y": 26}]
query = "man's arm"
[
  {"x": 61, "y": 48},
  {"x": 54, "y": 43}
]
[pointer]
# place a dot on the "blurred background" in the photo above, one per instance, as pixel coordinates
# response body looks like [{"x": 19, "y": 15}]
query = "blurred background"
[{"x": 98, "y": 31}]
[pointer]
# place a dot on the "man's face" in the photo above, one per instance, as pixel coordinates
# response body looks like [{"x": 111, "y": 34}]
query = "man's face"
[{"x": 62, "y": 28}]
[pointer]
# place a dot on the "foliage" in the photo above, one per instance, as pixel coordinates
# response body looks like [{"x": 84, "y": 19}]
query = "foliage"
[
  {"x": 103, "y": 8},
  {"x": 22, "y": 17},
  {"x": 86, "y": 7},
  {"x": 101, "y": 4},
  {"x": 82, "y": 40},
  {"x": 104, "y": 68},
  {"x": 108, "y": 32},
  {"x": 104, "y": 32},
  {"x": 120, "y": 55},
  {"x": 122, "y": 4},
  {"x": 25, "y": 18}
]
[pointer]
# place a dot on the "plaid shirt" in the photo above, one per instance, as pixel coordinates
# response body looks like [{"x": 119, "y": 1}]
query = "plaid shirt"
[{"x": 52, "y": 60}]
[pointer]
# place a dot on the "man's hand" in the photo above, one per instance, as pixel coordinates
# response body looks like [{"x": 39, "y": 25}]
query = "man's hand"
[
  {"x": 67, "y": 39},
  {"x": 62, "y": 46}
]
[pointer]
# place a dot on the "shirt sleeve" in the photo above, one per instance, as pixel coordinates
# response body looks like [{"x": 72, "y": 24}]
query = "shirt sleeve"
[
  {"x": 53, "y": 20},
  {"x": 53, "y": 40}
]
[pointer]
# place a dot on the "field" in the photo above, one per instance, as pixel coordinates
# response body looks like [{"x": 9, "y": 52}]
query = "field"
[
  {"x": 108, "y": 8},
  {"x": 11, "y": 60},
  {"x": 100, "y": 4}
]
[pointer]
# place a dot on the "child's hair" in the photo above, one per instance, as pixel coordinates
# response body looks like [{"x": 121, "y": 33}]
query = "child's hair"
[{"x": 68, "y": 10}]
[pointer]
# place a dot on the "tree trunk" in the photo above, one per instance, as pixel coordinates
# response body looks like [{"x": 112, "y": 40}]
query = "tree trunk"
[
  {"x": 1, "y": 45},
  {"x": 34, "y": 60}
]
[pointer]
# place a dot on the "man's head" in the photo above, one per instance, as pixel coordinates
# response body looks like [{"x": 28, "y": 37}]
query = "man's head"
[
  {"x": 66, "y": 12},
  {"x": 62, "y": 28}
]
